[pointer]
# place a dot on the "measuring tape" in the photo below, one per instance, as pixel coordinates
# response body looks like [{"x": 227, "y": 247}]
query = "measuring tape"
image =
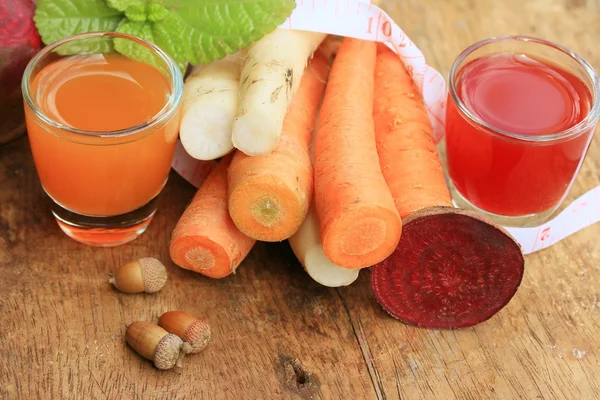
[
  {"x": 362, "y": 20},
  {"x": 580, "y": 214}
]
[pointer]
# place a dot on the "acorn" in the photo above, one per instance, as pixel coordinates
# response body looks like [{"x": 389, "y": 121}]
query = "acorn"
[
  {"x": 144, "y": 275},
  {"x": 190, "y": 329},
  {"x": 152, "y": 342}
]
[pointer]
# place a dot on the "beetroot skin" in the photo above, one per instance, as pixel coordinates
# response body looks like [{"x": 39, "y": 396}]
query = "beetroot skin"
[
  {"x": 451, "y": 269},
  {"x": 19, "y": 41}
]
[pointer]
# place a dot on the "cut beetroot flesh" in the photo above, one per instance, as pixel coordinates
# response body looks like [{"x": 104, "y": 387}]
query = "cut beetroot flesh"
[{"x": 451, "y": 269}]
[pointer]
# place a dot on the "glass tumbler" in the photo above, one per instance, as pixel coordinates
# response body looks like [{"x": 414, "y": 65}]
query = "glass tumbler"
[
  {"x": 102, "y": 126},
  {"x": 520, "y": 117}
]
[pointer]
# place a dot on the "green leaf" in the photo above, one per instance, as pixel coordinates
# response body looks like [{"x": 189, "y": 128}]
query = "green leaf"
[
  {"x": 136, "y": 13},
  {"x": 156, "y": 11},
  {"x": 171, "y": 41},
  {"x": 150, "y": 32},
  {"x": 196, "y": 31},
  {"x": 123, "y": 5},
  {"x": 136, "y": 51},
  {"x": 57, "y": 19},
  {"x": 206, "y": 30},
  {"x": 140, "y": 10}
]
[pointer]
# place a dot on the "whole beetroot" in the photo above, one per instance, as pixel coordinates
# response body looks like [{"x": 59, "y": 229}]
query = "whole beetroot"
[{"x": 19, "y": 41}]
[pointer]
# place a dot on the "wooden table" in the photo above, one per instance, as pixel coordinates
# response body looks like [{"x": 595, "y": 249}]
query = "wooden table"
[{"x": 277, "y": 334}]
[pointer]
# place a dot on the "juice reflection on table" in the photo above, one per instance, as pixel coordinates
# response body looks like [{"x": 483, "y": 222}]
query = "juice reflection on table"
[
  {"x": 534, "y": 104},
  {"x": 101, "y": 175}
]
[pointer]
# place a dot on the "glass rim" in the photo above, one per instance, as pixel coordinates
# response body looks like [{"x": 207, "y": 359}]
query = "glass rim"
[
  {"x": 582, "y": 126},
  {"x": 170, "y": 107}
]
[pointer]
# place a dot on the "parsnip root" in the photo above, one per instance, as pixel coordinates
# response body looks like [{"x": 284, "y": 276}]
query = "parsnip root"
[
  {"x": 306, "y": 245},
  {"x": 271, "y": 74},
  {"x": 209, "y": 105}
]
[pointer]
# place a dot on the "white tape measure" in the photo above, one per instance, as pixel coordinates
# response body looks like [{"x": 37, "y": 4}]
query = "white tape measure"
[{"x": 580, "y": 214}]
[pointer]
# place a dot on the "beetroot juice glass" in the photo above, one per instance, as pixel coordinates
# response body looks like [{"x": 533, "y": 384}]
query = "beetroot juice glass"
[{"x": 521, "y": 114}]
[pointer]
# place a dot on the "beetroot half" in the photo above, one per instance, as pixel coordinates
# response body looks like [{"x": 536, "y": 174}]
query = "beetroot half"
[{"x": 452, "y": 269}]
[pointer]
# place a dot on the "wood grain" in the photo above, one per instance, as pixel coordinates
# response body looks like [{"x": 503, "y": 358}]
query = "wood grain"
[{"x": 277, "y": 334}]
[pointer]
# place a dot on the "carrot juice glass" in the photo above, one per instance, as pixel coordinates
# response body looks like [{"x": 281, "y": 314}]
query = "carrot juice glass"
[
  {"x": 102, "y": 128},
  {"x": 521, "y": 115}
]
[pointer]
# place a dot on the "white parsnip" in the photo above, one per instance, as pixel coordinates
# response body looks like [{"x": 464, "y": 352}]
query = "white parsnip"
[
  {"x": 271, "y": 74},
  {"x": 209, "y": 104},
  {"x": 306, "y": 245}
]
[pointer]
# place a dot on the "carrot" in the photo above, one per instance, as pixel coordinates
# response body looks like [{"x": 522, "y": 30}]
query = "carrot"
[
  {"x": 359, "y": 224},
  {"x": 407, "y": 152},
  {"x": 205, "y": 239},
  {"x": 269, "y": 194}
]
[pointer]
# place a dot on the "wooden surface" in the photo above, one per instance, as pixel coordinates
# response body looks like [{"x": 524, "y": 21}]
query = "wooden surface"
[{"x": 276, "y": 334}]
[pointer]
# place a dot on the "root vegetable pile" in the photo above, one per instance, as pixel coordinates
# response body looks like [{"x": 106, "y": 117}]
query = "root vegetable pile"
[{"x": 335, "y": 153}]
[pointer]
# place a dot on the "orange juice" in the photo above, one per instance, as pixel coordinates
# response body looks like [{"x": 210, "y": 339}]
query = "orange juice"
[{"x": 101, "y": 172}]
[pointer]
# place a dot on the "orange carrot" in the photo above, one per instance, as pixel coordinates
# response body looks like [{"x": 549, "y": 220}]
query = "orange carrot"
[
  {"x": 359, "y": 224},
  {"x": 407, "y": 152},
  {"x": 269, "y": 194},
  {"x": 205, "y": 239}
]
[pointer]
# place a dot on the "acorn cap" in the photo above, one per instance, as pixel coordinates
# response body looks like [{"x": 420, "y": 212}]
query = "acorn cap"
[
  {"x": 168, "y": 352},
  {"x": 194, "y": 332},
  {"x": 198, "y": 335},
  {"x": 154, "y": 274}
]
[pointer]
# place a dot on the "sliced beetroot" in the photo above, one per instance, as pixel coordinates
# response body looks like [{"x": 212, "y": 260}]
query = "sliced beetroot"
[{"x": 451, "y": 269}]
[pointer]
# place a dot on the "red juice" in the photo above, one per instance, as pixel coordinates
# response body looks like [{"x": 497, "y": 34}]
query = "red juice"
[{"x": 520, "y": 96}]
